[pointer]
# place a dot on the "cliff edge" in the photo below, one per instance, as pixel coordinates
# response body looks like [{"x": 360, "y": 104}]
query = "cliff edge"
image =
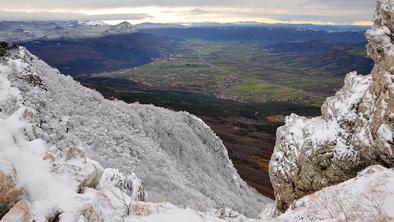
[{"x": 355, "y": 130}]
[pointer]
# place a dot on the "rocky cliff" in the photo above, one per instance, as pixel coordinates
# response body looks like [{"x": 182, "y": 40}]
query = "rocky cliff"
[{"x": 355, "y": 129}]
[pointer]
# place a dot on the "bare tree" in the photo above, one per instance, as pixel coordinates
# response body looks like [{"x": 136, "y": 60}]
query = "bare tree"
[{"x": 122, "y": 199}]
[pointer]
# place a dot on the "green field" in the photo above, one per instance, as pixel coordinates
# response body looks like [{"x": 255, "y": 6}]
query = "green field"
[{"x": 246, "y": 72}]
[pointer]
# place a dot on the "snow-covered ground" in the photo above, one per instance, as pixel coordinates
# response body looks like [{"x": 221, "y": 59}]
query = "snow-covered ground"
[
  {"x": 368, "y": 197},
  {"x": 74, "y": 187}
]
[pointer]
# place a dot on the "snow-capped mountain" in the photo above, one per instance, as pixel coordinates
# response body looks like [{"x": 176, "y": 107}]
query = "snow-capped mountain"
[
  {"x": 177, "y": 156},
  {"x": 53, "y": 30}
]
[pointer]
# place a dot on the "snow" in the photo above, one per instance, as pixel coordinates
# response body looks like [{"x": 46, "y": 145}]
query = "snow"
[
  {"x": 302, "y": 135},
  {"x": 50, "y": 190},
  {"x": 13, "y": 31},
  {"x": 91, "y": 23},
  {"x": 56, "y": 181},
  {"x": 46, "y": 191},
  {"x": 368, "y": 197},
  {"x": 6, "y": 91},
  {"x": 178, "y": 158}
]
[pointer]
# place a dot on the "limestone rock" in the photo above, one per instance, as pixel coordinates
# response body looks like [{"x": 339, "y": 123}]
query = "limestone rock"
[
  {"x": 86, "y": 172},
  {"x": 10, "y": 192},
  {"x": 20, "y": 212},
  {"x": 89, "y": 214},
  {"x": 355, "y": 130},
  {"x": 113, "y": 182},
  {"x": 367, "y": 197}
]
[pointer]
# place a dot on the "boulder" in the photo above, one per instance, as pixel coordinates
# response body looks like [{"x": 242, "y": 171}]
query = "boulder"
[
  {"x": 86, "y": 172},
  {"x": 88, "y": 214},
  {"x": 10, "y": 192},
  {"x": 20, "y": 212}
]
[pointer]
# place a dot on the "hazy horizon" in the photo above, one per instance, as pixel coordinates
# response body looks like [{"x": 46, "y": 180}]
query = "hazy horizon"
[{"x": 336, "y": 12}]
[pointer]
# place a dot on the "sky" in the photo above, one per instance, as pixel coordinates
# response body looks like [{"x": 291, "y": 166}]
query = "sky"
[{"x": 356, "y": 12}]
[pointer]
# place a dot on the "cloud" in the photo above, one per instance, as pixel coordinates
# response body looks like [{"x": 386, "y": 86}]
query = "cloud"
[
  {"x": 197, "y": 11},
  {"x": 21, "y": 16},
  {"x": 334, "y": 11},
  {"x": 363, "y": 23},
  {"x": 97, "y": 4}
]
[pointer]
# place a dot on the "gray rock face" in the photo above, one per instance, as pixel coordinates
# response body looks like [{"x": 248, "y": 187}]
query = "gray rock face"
[
  {"x": 354, "y": 131},
  {"x": 5, "y": 46}
]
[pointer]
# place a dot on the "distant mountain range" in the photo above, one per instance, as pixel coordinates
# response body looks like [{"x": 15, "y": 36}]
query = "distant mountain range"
[
  {"x": 271, "y": 34},
  {"x": 83, "y": 47},
  {"x": 76, "y": 47},
  {"x": 149, "y": 25},
  {"x": 51, "y": 30}
]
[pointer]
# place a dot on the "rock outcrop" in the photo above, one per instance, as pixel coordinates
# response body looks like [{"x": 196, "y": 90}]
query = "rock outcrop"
[
  {"x": 20, "y": 212},
  {"x": 375, "y": 124},
  {"x": 368, "y": 197},
  {"x": 355, "y": 129},
  {"x": 10, "y": 193},
  {"x": 5, "y": 47}
]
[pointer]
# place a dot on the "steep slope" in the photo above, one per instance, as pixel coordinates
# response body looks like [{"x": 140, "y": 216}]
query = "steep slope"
[
  {"x": 39, "y": 182},
  {"x": 177, "y": 156},
  {"x": 355, "y": 129}
]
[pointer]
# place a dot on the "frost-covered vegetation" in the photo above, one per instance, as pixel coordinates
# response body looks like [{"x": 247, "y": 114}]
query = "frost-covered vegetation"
[{"x": 177, "y": 156}]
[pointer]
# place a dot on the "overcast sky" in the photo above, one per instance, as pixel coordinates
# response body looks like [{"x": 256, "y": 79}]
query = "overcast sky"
[{"x": 164, "y": 11}]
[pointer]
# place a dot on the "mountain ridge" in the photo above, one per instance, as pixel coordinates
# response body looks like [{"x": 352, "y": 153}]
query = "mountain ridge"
[{"x": 143, "y": 139}]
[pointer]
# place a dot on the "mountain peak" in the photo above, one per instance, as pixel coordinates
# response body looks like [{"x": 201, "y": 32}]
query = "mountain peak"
[
  {"x": 124, "y": 24},
  {"x": 124, "y": 27}
]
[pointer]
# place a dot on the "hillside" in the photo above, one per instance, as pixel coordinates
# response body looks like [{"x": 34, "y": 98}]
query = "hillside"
[
  {"x": 169, "y": 151},
  {"x": 76, "y": 47}
]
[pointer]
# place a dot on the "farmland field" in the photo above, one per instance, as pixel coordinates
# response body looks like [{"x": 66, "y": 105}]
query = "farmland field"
[{"x": 248, "y": 72}]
